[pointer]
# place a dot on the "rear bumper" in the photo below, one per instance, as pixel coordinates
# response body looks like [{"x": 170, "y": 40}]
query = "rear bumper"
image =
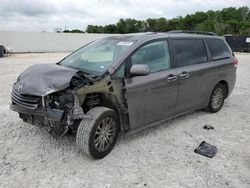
[{"x": 52, "y": 114}]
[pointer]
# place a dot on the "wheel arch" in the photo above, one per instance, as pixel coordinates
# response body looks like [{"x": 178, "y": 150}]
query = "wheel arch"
[
  {"x": 110, "y": 101},
  {"x": 225, "y": 84}
]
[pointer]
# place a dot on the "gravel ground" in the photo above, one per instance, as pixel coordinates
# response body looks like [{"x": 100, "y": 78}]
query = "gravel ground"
[{"x": 157, "y": 157}]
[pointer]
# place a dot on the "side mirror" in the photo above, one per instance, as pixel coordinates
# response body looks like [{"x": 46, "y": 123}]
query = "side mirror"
[{"x": 139, "y": 70}]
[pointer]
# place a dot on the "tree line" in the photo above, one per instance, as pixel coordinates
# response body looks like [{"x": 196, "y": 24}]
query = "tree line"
[{"x": 230, "y": 20}]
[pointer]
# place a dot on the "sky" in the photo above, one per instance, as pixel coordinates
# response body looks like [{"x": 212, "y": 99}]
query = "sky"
[{"x": 47, "y": 15}]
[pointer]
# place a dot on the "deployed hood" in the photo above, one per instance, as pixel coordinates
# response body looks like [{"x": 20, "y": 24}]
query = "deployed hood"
[{"x": 43, "y": 79}]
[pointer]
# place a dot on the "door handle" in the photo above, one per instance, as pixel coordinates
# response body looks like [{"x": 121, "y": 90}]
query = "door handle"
[
  {"x": 184, "y": 75},
  {"x": 171, "y": 78}
]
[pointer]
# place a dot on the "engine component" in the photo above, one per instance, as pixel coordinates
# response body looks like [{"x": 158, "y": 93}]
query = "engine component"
[{"x": 93, "y": 100}]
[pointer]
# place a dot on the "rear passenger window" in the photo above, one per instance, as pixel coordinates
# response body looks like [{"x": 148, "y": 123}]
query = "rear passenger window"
[
  {"x": 189, "y": 51},
  {"x": 218, "y": 49},
  {"x": 155, "y": 55}
]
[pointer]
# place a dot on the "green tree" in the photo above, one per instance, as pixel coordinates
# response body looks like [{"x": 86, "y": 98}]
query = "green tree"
[
  {"x": 227, "y": 21},
  {"x": 158, "y": 25},
  {"x": 233, "y": 26},
  {"x": 111, "y": 28},
  {"x": 94, "y": 29},
  {"x": 73, "y": 31},
  {"x": 128, "y": 26},
  {"x": 244, "y": 13},
  {"x": 207, "y": 25}
]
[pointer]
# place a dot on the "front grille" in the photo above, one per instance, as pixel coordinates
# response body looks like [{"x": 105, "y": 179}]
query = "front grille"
[{"x": 26, "y": 101}]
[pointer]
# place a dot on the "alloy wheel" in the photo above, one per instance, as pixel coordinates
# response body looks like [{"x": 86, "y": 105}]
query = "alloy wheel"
[
  {"x": 217, "y": 98},
  {"x": 104, "y": 134}
]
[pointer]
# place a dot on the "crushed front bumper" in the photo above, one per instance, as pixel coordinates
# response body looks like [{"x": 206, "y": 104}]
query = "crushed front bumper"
[{"x": 51, "y": 114}]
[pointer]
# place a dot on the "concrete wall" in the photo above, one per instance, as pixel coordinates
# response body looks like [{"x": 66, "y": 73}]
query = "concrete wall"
[{"x": 46, "y": 42}]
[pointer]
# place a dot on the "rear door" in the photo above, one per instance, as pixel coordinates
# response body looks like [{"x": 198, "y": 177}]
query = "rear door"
[
  {"x": 152, "y": 97},
  {"x": 195, "y": 74}
]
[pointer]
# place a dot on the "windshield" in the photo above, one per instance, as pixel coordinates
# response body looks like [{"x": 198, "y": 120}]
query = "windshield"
[{"x": 96, "y": 57}]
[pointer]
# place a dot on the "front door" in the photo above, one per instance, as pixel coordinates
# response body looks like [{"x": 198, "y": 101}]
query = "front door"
[{"x": 153, "y": 97}]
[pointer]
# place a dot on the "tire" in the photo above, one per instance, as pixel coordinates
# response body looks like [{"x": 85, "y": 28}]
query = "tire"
[
  {"x": 1, "y": 51},
  {"x": 217, "y": 98},
  {"x": 90, "y": 138}
]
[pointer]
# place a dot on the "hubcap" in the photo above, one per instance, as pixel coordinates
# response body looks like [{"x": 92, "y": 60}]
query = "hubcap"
[
  {"x": 104, "y": 134},
  {"x": 217, "y": 98}
]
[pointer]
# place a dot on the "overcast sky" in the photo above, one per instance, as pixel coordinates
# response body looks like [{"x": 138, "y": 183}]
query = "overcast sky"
[{"x": 46, "y": 15}]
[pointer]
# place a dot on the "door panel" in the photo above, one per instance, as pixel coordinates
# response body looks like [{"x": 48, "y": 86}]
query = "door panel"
[
  {"x": 194, "y": 90},
  {"x": 151, "y": 98},
  {"x": 195, "y": 74}
]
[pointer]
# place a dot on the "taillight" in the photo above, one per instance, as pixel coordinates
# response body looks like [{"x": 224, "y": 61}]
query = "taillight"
[{"x": 235, "y": 62}]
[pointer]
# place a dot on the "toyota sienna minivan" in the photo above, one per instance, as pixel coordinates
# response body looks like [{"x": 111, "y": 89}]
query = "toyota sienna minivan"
[{"x": 125, "y": 83}]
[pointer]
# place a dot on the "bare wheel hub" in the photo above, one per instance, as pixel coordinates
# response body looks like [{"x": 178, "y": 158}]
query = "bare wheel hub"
[{"x": 104, "y": 134}]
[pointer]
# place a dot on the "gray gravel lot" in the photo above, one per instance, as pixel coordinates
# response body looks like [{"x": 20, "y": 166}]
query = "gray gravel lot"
[{"x": 161, "y": 156}]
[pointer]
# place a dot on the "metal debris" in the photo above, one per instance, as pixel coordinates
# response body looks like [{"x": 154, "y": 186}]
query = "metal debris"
[{"x": 208, "y": 127}]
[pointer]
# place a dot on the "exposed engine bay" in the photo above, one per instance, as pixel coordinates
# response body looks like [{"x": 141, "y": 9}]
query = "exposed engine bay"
[{"x": 60, "y": 104}]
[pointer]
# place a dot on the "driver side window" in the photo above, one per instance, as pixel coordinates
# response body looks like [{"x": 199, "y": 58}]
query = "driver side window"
[{"x": 155, "y": 55}]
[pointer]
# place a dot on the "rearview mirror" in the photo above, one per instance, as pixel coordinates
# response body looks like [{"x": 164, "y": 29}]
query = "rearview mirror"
[{"x": 139, "y": 70}]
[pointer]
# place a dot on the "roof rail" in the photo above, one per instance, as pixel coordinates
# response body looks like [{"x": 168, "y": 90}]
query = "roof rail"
[
  {"x": 141, "y": 33},
  {"x": 192, "y": 32}
]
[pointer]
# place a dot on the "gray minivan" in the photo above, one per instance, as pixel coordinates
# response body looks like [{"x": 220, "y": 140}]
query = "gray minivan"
[{"x": 125, "y": 83}]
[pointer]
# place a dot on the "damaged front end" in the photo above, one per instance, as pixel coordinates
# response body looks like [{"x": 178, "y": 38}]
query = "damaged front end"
[{"x": 45, "y": 95}]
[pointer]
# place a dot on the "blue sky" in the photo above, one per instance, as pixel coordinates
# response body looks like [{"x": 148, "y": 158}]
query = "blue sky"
[{"x": 46, "y": 15}]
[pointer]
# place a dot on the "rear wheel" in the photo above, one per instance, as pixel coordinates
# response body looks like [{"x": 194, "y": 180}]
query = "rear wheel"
[
  {"x": 217, "y": 98},
  {"x": 97, "y": 135}
]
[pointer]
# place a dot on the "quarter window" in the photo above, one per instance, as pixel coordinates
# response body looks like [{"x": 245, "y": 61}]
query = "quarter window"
[
  {"x": 155, "y": 55},
  {"x": 218, "y": 49},
  {"x": 120, "y": 72},
  {"x": 189, "y": 51}
]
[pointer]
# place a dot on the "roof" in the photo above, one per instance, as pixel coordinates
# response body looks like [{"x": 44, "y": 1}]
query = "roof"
[
  {"x": 148, "y": 35},
  {"x": 132, "y": 36}
]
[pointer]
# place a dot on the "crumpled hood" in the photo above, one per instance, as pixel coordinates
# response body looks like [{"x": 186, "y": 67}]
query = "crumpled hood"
[{"x": 43, "y": 79}]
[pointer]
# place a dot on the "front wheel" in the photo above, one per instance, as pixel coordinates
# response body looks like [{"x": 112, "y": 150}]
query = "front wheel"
[
  {"x": 97, "y": 135},
  {"x": 217, "y": 98}
]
